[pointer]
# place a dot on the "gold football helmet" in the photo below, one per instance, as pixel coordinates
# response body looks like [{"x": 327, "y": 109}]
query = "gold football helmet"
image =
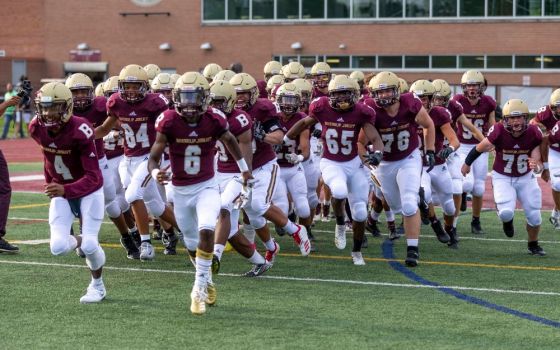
[
  {"x": 359, "y": 76},
  {"x": 222, "y": 96},
  {"x": 211, "y": 70},
  {"x": 473, "y": 84},
  {"x": 225, "y": 75},
  {"x": 191, "y": 96},
  {"x": 152, "y": 70},
  {"x": 54, "y": 105},
  {"x": 133, "y": 83},
  {"x": 292, "y": 71},
  {"x": 99, "y": 90},
  {"x": 515, "y": 115},
  {"x": 272, "y": 83},
  {"x": 306, "y": 90},
  {"x": 442, "y": 94},
  {"x": 288, "y": 98},
  {"x": 403, "y": 86},
  {"x": 555, "y": 103},
  {"x": 384, "y": 88},
  {"x": 110, "y": 86},
  {"x": 246, "y": 88},
  {"x": 343, "y": 93},
  {"x": 425, "y": 91},
  {"x": 272, "y": 68},
  {"x": 163, "y": 84},
  {"x": 81, "y": 87},
  {"x": 321, "y": 75}
]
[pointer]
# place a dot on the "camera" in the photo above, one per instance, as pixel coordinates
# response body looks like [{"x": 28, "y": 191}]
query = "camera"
[{"x": 24, "y": 91}]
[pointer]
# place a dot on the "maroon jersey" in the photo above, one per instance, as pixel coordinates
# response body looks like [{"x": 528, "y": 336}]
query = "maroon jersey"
[
  {"x": 554, "y": 136},
  {"x": 546, "y": 118},
  {"x": 112, "y": 145},
  {"x": 440, "y": 116},
  {"x": 263, "y": 113},
  {"x": 456, "y": 111},
  {"x": 512, "y": 153},
  {"x": 137, "y": 121},
  {"x": 261, "y": 85},
  {"x": 291, "y": 146},
  {"x": 340, "y": 129},
  {"x": 70, "y": 157},
  {"x": 96, "y": 115},
  {"x": 316, "y": 93},
  {"x": 399, "y": 133},
  {"x": 239, "y": 122},
  {"x": 478, "y": 114},
  {"x": 192, "y": 146}
]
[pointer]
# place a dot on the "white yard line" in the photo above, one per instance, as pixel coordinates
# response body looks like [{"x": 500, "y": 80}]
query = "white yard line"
[
  {"x": 27, "y": 178},
  {"x": 299, "y": 279}
]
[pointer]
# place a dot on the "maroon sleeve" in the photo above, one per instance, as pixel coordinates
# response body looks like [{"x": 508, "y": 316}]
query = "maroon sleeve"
[
  {"x": 90, "y": 164},
  {"x": 491, "y": 102},
  {"x": 164, "y": 123},
  {"x": 159, "y": 104},
  {"x": 369, "y": 114},
  {"x": 536, "y": 136},
  {"x": 554, "y": 136},
  {"x": 315, "y": 109},
  {"x": 220, "y": 123},
  {"x": 494, "y": 133},
  {"x": 415, "y": 104}
]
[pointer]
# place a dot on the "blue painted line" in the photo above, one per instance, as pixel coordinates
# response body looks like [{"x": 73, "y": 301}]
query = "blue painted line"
[{"x": 387, "y": 248}]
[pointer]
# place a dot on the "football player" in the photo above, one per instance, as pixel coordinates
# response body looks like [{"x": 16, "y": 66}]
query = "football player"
[
  {"x": 210, "y": 71},
  {"x": 152, "y": 70},
  {"x": 224, "y": 75},
  {"x": 191, "y": 131},
  {"x": 517, "y": 147},
  {"x": 321, "y": 75},
  {"x": 73, "y": 180},
  {"x": 293, "y": 71},
  {"x": 480, "y": 110},
  {"x": 342, "y": 118}
]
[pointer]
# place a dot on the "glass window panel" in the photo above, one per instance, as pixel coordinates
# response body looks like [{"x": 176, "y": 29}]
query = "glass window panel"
[
  {"x": 276, "y": 58},
  {"x": 238, "y": 9},
  {"x": 214, "y": 9},
  {"x": 390, "y": 8},
  {"x": 529, "y": 8},
  {"x": 499, "y": 62},
  {"x": 471, "y": 61},
  {"x": 389, "y": 61},
  {"x": 417, "y": 8},
  {"x": 307, "y": 61},
  {"x": 417, "y": 62},
  {"x": 338, "y": 8},
  {"x": 363, "y": 61},
  {"x": 533, "y": 62},
  {"x": 444, "y": 8},
  {"x": 288, "y": 59},
  {"x": 472, "y": 8},
  {"x": 500, "y": 7},
  {"x": 312, "y": 9},
  {"x": 551, "y": 8},
  {"x": 338, "y": 61},
  {"x": 287, "y": 9},
  {"x": 444, "y": 61},
  {"x": 263, "y": 9},
  {"x": 551, "y": 62},
  {"x": 364, "y": 8}
]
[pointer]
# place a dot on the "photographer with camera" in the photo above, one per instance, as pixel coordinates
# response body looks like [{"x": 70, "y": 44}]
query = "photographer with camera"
[
  {"x": 23, "y": 112},
  {"x": 10, "y": 112},
  {"x": 5, "y": 188}
]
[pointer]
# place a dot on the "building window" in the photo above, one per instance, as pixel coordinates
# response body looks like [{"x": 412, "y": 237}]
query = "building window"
[
  {"x": 364, "y": 8},
  {"x": 311, "y": 9},
  {"x": 472, "y": 8},
  {"x": 444, "y": 8},
  {"x": 528, "y": 62},
  {"x": 528, "y": 8},
  {"x": 471, "y": 62},
  {"x": 551, "y": 62},
  {"x": 287, "y": 9},
  {"x": 499, "y": 62},
  {"x": 389, "y": 62},
  {"x": 417, "y": 62},
  {"x": 214, "y": 10},
  {"x": 417, "y": 8},
  {"x": 500, "y": 8},
  {"x": 338, "y": 61},
  {"x": 363, "y": 61},
  {"x": 551, "y": 8},
  {"x": 288, "y": 59},
  {"x": 444, "y": 62},
  {"x": 238, "y": 9},
  {"x": 308, "y": 61},
  {"x": 390, "y": 8},
  {"x": 338, "y": 8},
  {"x": 263, "y": 9}
]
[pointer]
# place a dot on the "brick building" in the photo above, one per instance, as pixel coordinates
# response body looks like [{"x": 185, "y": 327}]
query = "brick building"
[{"x": 511, "y": 41}]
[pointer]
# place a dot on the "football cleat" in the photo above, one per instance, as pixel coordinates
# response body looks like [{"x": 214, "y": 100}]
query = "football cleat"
[
  {"x": 136, "y": 238},
  {"x": 424, "y": 208},
  {"x": 270, "y": 255},
  {"x": 371, "y": 226},
  {"x": 536, "y": 250},
  {"x": 358, "y": 259},
  {"x": 476, "y": 228},
  {"x": 508, "y": 228},
  {"x": 198, "y": 300},
  {"x": 147, "y": 251},
  {"x": 215, "y": 265},
  {"x": 463, "y": 202},
  {"x": 441, "y": 235},
  {"x": 412, "y": 257},
  {"x": 6, "y": 247},
  {"x": 326, "y": 210},
  {"x": 93, "y": 295},
  {"x": 211, "y": 294},
  {"x": 340, "y": 236},
  {"x": 301, "y": 239},
  {"x": 555, "y": 219},
  {"x": 128, "y": 244},
  {"x": 258, "y": 270},
  {"x": 80, "y": 252},
  {"x": 170, "y": 244},
  {"x": 453, "y": 238}
]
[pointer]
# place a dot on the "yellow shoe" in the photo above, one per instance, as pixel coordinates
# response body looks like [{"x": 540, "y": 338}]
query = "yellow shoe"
[
  {"x": 211, "y": 293},
  {"x": 228, "y": 247},
  {"x": 198, "y": 298}
]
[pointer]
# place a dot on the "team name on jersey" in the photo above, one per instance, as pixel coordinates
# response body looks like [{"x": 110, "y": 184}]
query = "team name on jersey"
[
  {"x": 394, "y": 128},
  {"x": 515, "y": 151},
  {"x": 142, "y": 119},
  {"x": 341, "y": 125},
  {"x": 56, "y": 151},
  {"x": 193, "y": 141},
  {"x": 475, "y": 116}
]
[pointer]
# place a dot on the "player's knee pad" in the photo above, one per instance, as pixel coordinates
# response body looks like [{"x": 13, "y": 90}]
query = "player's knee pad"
[
  {"x": 534, "y": 217},
  {"x": 249, "y": 232},
  {"x": 257, "y": 222},
  {"x": 449, "y": 207},
  {"x": 555, "y": 182},
  {"x": 95, "y": 260},
  {"x": 234, "y": 228},
  {"x": 62, "y": 244},
  {"x": 359, "y": 211},
  {"x": 89, "y": 244},
  {"x": 156, "y": 206},
  {"x": 259, "y": 206},
  {"x": 133, "y": 193},
  {"x": 478, "y": 188},
  {"x": 506, "y": 214},
  {"x": 113, "y": 209},
  {"x": 339, "y": 190},
  {"x": 191, "y": 240},
  {"x": 457, "y": 186},
  {"x": 312, "y": 199},
  {"x": 302, "y": 207},
  {"x": 409, "y": 204}
]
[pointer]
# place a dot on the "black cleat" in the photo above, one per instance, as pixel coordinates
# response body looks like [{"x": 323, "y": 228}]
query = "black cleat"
[
  {"x": 136, "y": 238},
  {"x": 453, "y": 238},
  {"x": 508, "y": 228},
  {"x": 128, "y": 244},
  {"x": 6, "y": 247},
  {"x": 475, "y": 227},
  {"x": 424, "y": 208},
  {"x": 463, "y": 202},
  {"x": 371, "y": 226},
  {"x": 441, "y": 235},
  {"x": 400, "y": 230},
  {"x": 215, "y": 265},
  {"x": 364, "y": 242},
  {"x": 157, "y": 234},
  {"x": 170, "y": 244},
  {"x": 536, "y": 250},
  {"x": 412, "y": 257},
  {"x": 258, "y": 270}
]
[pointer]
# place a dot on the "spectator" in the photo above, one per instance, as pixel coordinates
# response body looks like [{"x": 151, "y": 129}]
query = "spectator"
[
  {"x": 23, "y": 113},
  {"x": 5, "y": 188},
  {"x": 9, "y": 114}
]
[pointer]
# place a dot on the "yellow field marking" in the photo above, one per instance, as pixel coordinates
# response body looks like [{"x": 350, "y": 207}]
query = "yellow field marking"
[
  {"x": 29, "y": 206},
  {"x": 443, "y": 263}
]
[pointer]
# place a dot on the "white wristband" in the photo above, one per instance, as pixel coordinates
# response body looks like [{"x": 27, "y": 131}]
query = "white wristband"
[
  {"x": 286, "y": 139},
  {"x": 545, "y": 165},
  {"x": 452, "y": 148},
  {"x": 300, "y": 158},
  {"x": 155, "y": 173},
  {"x": 242, "y": 164}
]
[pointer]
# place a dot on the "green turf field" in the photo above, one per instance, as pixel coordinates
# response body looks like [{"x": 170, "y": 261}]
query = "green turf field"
[{"x": 322, "y": 301}]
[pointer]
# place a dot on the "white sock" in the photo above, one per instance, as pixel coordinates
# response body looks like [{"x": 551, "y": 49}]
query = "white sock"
[
  {"x": 145, "y": 238},
  {"x": 412, "y": 242},
  {"x": 291, "y": 228},
  {"x": 390, "y": 215},
  {"x": 374, "y": 215},
  {"x": 455, "y": 220},
  {"x": 130, "y": 230},
  {"x": 270, "y": 245},
  {"x": 202, "y": 272},
  {"x": 219, "y": 250},
  {"x": 256, "y": 258},
  {"x": 249, "y": 232},
  {"x": 96, "y": 282}
]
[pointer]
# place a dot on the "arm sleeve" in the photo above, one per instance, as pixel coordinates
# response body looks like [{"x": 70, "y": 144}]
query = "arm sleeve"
[{"x": 91, "y": 178}]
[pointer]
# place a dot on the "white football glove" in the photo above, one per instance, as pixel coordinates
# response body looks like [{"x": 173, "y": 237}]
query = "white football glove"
[{"x": 294, "y": 158}]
